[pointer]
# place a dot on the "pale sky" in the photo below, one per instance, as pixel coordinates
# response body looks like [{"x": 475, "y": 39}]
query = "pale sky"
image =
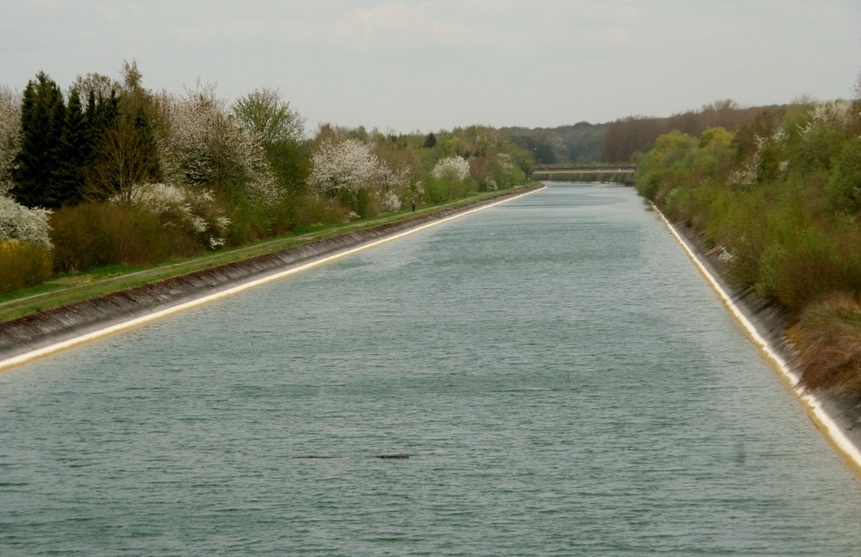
[{"x": 416, "y": 65}]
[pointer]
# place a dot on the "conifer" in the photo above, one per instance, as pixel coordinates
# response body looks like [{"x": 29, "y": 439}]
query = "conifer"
[{"x": 36, "y": 170}]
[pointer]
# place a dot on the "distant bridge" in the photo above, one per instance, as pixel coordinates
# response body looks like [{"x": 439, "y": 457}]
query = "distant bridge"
[
  {"x": 620, "y": 173},
  {"x": 621, "y": 168}
]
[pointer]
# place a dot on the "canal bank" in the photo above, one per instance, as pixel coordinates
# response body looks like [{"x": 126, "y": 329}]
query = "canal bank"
[
  {"x": 561, "y": 377},
  {"x": 838, "y": 418},
  {"x": 49, "y": 331}
]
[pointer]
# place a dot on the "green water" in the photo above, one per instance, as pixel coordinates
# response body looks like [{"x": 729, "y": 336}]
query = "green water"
[{"x": 562, "y": 379}]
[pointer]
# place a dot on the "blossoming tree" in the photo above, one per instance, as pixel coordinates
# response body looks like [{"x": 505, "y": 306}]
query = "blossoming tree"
[
  {"x": 349, "y": 171},
  {"x": 451, "y": 168},
  {"x": 206, "y": 147}
]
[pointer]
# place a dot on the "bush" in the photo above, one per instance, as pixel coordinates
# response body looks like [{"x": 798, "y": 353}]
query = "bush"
[
  {"x": 800, "y": 271},
  {"x": 828, "y": 337},
  {"x": 844, "y": 185},
  {"x": 23, "y": 264},
  {"x": 95, "y": 234},
  {"x": 311, "y": 210}
]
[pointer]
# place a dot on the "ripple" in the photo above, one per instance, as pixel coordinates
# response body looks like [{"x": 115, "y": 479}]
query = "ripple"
[{"x": 548, "y": 379}]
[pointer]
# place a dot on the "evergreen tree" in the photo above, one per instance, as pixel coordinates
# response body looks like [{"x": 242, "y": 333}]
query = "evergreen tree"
[
  {"x": 76, "y": 151},
  {"x": 36, "y": 171}
]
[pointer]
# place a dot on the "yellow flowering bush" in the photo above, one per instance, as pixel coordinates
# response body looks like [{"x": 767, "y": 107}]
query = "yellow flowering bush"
[{"x": 23, "y": 264}]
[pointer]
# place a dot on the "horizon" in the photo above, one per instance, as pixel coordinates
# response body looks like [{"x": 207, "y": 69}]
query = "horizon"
[{"x": 417, "y": 66}]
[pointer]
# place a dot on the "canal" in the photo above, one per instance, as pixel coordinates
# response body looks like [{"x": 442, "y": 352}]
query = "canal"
[{"x": 553, "y": 375}]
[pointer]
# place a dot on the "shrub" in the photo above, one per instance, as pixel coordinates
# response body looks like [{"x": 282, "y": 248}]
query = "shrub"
[
  {"x": 311, "y": 210},
  {"x": 95, "y": 234},
  {"x": 190, "y": 212},
  {"x": 798, "y": 272},
  {"x": 23, "y": 264},
  {"x": 844, "y": 185},
  {"x": 828, "y": 338}
]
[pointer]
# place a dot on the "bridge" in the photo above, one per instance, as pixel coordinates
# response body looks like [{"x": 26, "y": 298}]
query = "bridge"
[
  {"x": 619, "y": 168},
  {"x": 624, "y": 173}
]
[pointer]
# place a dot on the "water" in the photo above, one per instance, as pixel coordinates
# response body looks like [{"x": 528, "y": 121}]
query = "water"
[{"x": 562, "y": 379}]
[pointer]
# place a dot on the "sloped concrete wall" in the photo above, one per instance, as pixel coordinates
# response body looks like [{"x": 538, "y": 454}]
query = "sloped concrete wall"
[
  {"x": 771, "y": 323},
  {"x": 53, "y": 326}
]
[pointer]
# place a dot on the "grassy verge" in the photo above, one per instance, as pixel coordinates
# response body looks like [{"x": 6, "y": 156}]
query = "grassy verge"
[{"x": 66, "y": 289}]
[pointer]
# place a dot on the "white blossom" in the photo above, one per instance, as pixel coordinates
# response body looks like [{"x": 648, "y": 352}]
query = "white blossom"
[
  {"x": 205, "y": 146},
  {"x": 26, "y": 225},
  {"x": 748, "y": 173},
  {"x": 344, "y": 166},
  {"x": 10, "y": 135},
  {"x": 451, "y": 168},
  {"x": 195, "y": 208},
  {"x": 198, "y": 224},
  {"x": 391, "y": 201},
  {"x": 725, "y": 256},
  {"x": 836, "y": 113}
]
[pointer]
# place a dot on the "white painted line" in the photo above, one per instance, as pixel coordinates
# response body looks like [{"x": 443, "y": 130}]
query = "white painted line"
[
  {"x": 138, "y": 321},
  {"x": 812, "y": 405}
]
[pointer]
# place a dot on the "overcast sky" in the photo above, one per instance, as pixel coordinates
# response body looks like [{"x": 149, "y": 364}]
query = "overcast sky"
[{"x": 430, "y": 65}]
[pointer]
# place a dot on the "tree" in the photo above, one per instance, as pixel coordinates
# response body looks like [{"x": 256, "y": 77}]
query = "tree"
[
  {"x": 124, "y": 158},
  {"x": 36, "y": 167},
  {"x": 281, "y": 130},
  {"x": 16, "y": 221},
  {"x": 343, "y": 167},
  {"x": 452, "y": 169},
  {"x": 207, "y": 148},
  {"x": 100, "y": 86},
  {"x": 10, "y": 135},
  {"x": 76, "y": 151},
  {"x": 126, "y": 151},
  {"x": 23, "y": 224},
  {"x": 265, "y": 113}
]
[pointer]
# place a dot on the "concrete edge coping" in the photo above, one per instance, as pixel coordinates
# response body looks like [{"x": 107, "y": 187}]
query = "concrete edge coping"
[
  {"x": 838, "y": 418},
  {"x": 45, "y": 332}
]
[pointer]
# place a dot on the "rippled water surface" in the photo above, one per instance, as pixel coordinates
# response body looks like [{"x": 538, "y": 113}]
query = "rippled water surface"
[{"x": 562, "y": 379}]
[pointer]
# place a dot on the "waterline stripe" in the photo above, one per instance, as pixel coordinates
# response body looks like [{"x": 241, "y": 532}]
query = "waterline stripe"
[
  {"x": 812, "y": 405},
  {"x": 138, "y": 321}
]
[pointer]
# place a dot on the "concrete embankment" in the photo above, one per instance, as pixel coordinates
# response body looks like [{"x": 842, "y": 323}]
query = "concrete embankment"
[
  {"x": 48, "y": 331},
  {"x": 837, "y": 417}
]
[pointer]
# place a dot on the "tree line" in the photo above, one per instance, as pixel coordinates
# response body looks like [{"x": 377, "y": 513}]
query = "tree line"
[
  {"x": 622, "y": 139},
  {"x": 780, "y": 201},
  {"x": 110, "y": 172}
]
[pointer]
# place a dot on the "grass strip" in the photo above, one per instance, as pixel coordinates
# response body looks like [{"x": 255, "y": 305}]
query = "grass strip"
[{"x": 67, "y": 289}]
